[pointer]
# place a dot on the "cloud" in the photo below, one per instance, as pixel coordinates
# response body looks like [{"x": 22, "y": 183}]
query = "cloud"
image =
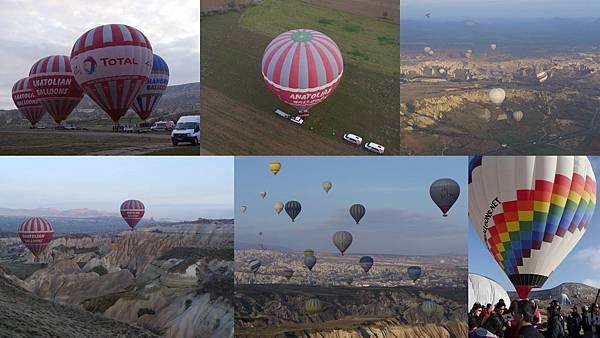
[
  {"x": 591, "y": 257},
  {"x": 592, "y": 282}
]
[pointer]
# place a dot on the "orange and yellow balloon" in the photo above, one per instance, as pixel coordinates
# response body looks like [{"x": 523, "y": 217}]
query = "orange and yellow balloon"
[{"x": 274, "y": 166}]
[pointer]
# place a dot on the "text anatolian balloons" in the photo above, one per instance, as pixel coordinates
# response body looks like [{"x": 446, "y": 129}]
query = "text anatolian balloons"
[
  {"x": 25, "y": 101},
  {"x": 530, "y": 211},
  {"x": 147, "y": 99},
  {"x": 342, "y": 240},
  {"x": 36, "y": 233},
  {"x": 302, "y": 67},
  {"x": 112, "y": 63},
  {"x": 357, "y": 211},
  {"x": 55, "y": 87},
  {"x": 444, "y": 192},
  {"x": 293, "y": 208},
  {"x": 132, "y": 211}
]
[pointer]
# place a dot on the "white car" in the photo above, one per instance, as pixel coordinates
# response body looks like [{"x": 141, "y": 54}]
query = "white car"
[
  {"x": 374, "y": 147},
  {"x": 187, "y": 130},
  {"x": 353, "y": 138},
  {"x": 297, "y": 119},
  {"x": 282, "y": 113}
]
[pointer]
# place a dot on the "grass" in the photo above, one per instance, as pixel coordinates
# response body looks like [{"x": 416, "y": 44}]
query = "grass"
[
  {"x": 180, "y": 150},
  {"x": 367, "y": 100}
]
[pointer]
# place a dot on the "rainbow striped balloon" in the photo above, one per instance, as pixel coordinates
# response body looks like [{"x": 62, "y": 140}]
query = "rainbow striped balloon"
[{"x": 530, "y": 211}]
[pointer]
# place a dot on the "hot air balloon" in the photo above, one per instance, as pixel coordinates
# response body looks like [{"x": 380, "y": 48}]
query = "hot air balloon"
[
  {"x": 313, "y": 306},
  {"x": 497, "y": 96},
  {"x": 254, "y": 265},
  {"x": 414, "y": 272},
  {"x": 54, "y": 86},
  {"x": 542, "y": 76},
  {"x": 564, "y": 299},
  {"x": 429, "y": 307},
  {"x": 287, "y": 273},
  {"x": 349, "y": 280},
  {"x": 244, "y": 208},
  {"x": 342, "y": 240},
  {"x": 485, "y": 290},
  {"x": 263, "y": 194},
  {"x": 309, "y": 252},
  {"x": 426, "y": 50},
  {"x": 36, "y": 233},
  {"x": 112, "y": 63},
  {"x": 310, "y": 261},
  {"x": 293, "y": 209},
  {"x": 518, "y": 115},
  {"x": 278, "y": 206},
  {"x": 530, "y": 211},
  {"x": 493, "y": 46},
  {"x": 25, "y": 101},
  {"x": 302, "y": 67},
  {"x": 357, "y": 211},
  {"x": 274, "y": 166},
  {"x": 132, "y": 211},
  {"x": 366, "y": 262},
  {"x": 326, "y": 186},
  {"x": 469, "y": 54},
  {"x": 147, "y": 99},
  {"x": 444, "y": 192}
]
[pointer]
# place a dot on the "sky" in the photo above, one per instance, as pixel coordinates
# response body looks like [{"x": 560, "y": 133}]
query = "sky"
[
  {"x": 582, "y": 265},
  {"x": 514, "y": 9},
  {"x": 181, "y": 188},
  {"x": 33, "y": 29},
  {"x": 401, "y": 219}
]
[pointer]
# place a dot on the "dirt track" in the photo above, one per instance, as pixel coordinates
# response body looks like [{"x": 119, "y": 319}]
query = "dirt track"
[
  {"x": 372, "y": 8},
  {"x": 225, "y": 129}
]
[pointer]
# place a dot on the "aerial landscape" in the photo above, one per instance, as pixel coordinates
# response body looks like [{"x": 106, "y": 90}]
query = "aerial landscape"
[
  {"x": 347, "y": 81},
  {"x": 100, "y": 82},
  {"x": 330, "y": 253},
  {"x": 123, "y": 261},
  {"x": 499, "y": 78}
]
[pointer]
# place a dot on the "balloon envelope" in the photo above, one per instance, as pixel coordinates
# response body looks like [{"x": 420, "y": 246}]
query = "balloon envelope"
[
  {"x": 366, "y": 262},
  {"x": 36, "y": 233},
  {"x": 313, "y": 306},
  {"x": 244, "y": 208},
  {"x": 309, "y": 252},
  {"x": 310, "y": 261},
  {"x": 132, "y": 211},
  {"x": 530, "y": 211},
  {"x": 274, "y": 166},
  {"x": 112, "y": 63},
  {"x": 263, "y": 194},
  {"x": 414, "y": 272},
  {"x": 444, "y": 192},
  {"x": 485, "y": 290},
  {"x": 293, "y": 208},
  {"x": 497, "y": 96},
  {"x": 55, "y": 87},
  {"x": 25, "y": 101},
  {"x": 342, "y": 240},
  {"x": 429, "y": 307},
  {"x": 147, "y": 99},
  {"x": 302, "y": 67},
  {"x": 518, "y": 115},
  {"x": 357, "y": 211},
  {"x": 327, "y": 186},
  {"x": 254, "y": 265},
  {"x": 564, "y": 299},
  {"x": 278, "y": 207}
]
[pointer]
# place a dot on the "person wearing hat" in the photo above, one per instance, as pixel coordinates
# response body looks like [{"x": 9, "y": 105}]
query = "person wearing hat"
[
  {"x": 556, "y": 328},
  {"x": 574, "y": 323},
  {"x": 523, "y": 317}
]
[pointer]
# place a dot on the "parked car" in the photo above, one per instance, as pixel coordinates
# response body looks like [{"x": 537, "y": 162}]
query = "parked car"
[
  {"x": 374, "y": 147},
  {"x": 353, "y": 138},
  {"x": 163, "y": 126},
  {"x": 282, "y": 113},
  {"x": 187, "y": 130},
  {"x": 297, "y": 119}
]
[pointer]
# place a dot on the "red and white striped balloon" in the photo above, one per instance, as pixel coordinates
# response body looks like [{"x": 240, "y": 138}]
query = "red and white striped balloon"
[
  {"x": 132, "y": 211},
  {"x": 55, "y": 87},
  {"x": 36, "y": 233},
  {"x": 112, "y": 63},
  {"x": 302, "y": 67},
  {"x": 27, "y": 104}
]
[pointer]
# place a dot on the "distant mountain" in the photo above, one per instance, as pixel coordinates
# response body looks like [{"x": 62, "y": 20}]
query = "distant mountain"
[
  {"x": 50, "y": 212},
  {"x": 246, "y": 246},
  {"x": 176, "y": 101},
  {"x": 578, "y": 293}
]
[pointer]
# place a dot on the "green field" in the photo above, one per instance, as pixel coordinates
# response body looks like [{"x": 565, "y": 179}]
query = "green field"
[{"x": 367, "y": 100}]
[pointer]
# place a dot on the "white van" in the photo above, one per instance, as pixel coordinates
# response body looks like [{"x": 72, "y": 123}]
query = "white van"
[
  {"x": 374, "y": 147},
  {"x": 187, "y": 129}
]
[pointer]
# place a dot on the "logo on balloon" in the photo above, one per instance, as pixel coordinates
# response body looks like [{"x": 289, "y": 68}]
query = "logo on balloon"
[{"x": 89, "y": 65}]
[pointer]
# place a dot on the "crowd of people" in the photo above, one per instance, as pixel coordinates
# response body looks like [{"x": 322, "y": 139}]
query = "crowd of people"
[{"x": 523, "y": 319}]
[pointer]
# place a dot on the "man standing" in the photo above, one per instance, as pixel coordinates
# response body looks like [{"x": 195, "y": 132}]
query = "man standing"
[
  {"x": 523, "y": 317},
  {"x": 574, "y": 323}
]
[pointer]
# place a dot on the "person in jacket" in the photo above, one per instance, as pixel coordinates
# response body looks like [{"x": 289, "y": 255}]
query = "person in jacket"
[
  {"x": 556, "y": 327},
  {"x": 492, "y": 328},
  {"x": 524, "y": 317},
  {"x": 513, "y": 328},
  {"x": 594, "y": 321},
  {"x": 475, "y": 316},
  {"x": 486, "y": 313},
  {"x": 574, "y": 323},
  {"x": 537, "y": 315}
]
